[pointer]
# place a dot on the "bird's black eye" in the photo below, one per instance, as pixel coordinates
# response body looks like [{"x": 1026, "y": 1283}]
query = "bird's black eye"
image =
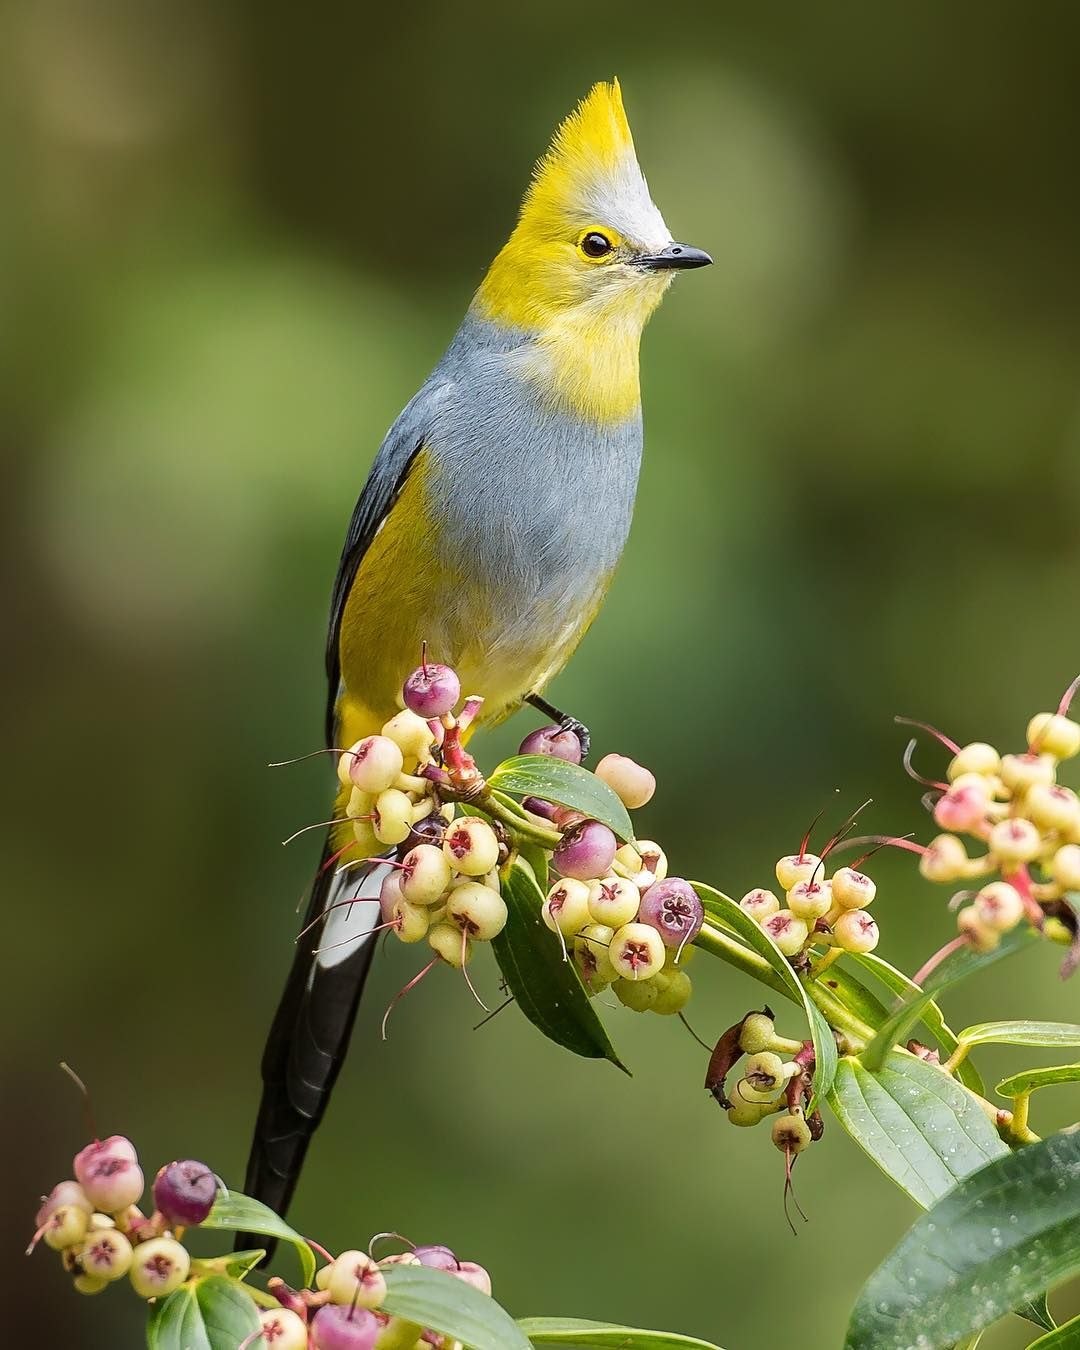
[{"x": 595, "y": 244}]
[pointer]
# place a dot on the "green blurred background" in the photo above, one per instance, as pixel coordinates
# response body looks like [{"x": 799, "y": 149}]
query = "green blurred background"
[{"x": 235, "y": 238}]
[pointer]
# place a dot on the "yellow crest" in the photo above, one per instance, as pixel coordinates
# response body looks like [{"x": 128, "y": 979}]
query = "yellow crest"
[{"x": 593, "y": 142}]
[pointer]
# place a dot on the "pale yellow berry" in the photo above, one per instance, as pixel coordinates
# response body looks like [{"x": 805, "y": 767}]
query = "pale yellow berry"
[
  {"x": 637, "y": 995},
  {"x": 790, "y": 1133},
  {"x": 425, "y": 875},
  {"x": 1065, "y": 867},
  {"x": 1052, "y": 807},
  {"x": 1054, "y": 735},
  {"x": 355, "y": 1279},
  {"x": 282, "y": 1329},
  {"x": 411, "y": 922},
  {"x": 787, "y": 930},
  {"x": 978, "y": 757},
  {"x": 614, "y": 901},
  {"x": 945, "y": 859},
  {"x": 633, "y": 784},
  {"x": 376, "y": 763},
  {"x": 1014, "y": 841},
  {"x": 999, "y": 906},
  {"x": 471, "y": 846},
  {"x": 1020, "y": 772},
  {"x": 66, "y": 1226},
  {"x": 636, "y": 951},
  {"x": 591, "y": 955},
  {"x": 566, "y": 909},
  {"x": 796, "y": 867},
  {"x": 158, "y": 1267},
  {"x": 746, "y": 1113},
  {"x": 856, "y": 931},
  {"x": 982, "y": 938},
  {"x": 760, "y": 904},
  {"x": 366, "y": 838},
  {"x": 674, "y": 994},
  {"x": 89, "y": 1284},
  {"x": 853, "y": 890},
  {"x": 477, "y": 910},
  {"x": 360, "y": 804},
  {"x": 810, "y": 900},
  {"x": 411, "y": 734}
]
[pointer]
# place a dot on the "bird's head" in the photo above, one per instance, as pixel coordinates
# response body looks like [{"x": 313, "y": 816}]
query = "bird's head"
[{"x": 590, "y": 246}]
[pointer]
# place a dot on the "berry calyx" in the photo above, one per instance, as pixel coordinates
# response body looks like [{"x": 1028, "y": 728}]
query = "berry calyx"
[
  {"x": 796, "y": 867},
  {"x": 282, "y": 1329},
  {"x": 852, "y": 889},
  {"x": 1052, "y": 807},
  {"x": 158, "y": 1267},
  {"x": 760, "y": 904},
  {"x": 184, "y": 1192},
  {"x": 614, "y": 901},
  {"x": 1014, "y": 841},
  {"x": 999, "y": 906},
  {"x": 65, "y": 1226},
  {"x": 1021, "y": 772},
  {"x": 790, "y": 1133},
  {"x": 787, "y": 930},
  {"x": 765, "y": 1072},
  {"x": 355, "y": 1279},
  {"x": 673, "y": 908},
  {"x": 432, "y": 690},
  {"x": 632, "y": 783},
  {"x": 106, "y": 1255},
  {"x": 566, "y": 909},
  {"x": 471, "y": 846},
  {"x": 591, "y": 956},
  {"x": 477, "y": 910},
  {"x": 810, "y": 900}
]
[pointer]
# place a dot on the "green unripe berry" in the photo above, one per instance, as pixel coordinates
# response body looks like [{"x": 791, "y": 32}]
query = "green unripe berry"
[
  {"x": 356, "y": 1279},
  {"x": 66, "y": 1226},
  {"x": 478, "y": 910},
  {"x": 614, "y": 901},
  {"x": 637, "y": 995},
  {"x": 765, "y": 1072},
  {"x": 591, "y": 948},
  {"x": 999, "y": 906},
  {"x": 796, "y": 867},
  {"x": 1054, "y": 735},
  {"x": 360, "y": 804},
  {"x": 852, "y": 890},
  {"x": 978, "y": 757},
  {"x": 1065, "y": 867},
  {"x": 1015, "y": 841},
  {"x": 856, "y": 931},
  {"x": 365, "y": 838},
  {"x": 451, "y": 944},
  {"x": 757, "y": 1033},
  {"x": 745, "y": 1113},
  {"x": 89, "y": 1284},
  {"x": 158, "y": 1267},
  {"x": 787, "y": 930},
  {"x": 106, "y": 1255},
  {"x": 810, "y": 900},
  {"x": 425, "y": 875},
  {"x": 393, "y": 812},
  {"x": 790, "y": 1133},
  {"x": 636, "y": 951},
  {"x": 675, "y": 991},
  {"x": 471, "y": 846},
  {"x": 760, "y": 904},
  {"x": 566, "y": 909}
]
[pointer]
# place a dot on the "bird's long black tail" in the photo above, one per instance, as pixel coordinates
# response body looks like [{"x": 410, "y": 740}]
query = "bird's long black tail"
[{"x": 310, "y": 1033}]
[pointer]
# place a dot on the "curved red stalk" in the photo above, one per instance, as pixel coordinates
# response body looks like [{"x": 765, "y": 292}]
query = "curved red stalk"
[
  {"x": 946, "y": 741},
  {"x": 405, "y": 990}
]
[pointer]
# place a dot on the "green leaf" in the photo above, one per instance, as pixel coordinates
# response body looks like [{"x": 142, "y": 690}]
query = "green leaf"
[
  {"x": 210, "y": 1314},
  {"x": 572, "y": 1331},
  {"x": 546, "y": 987},
  {"x": 237, "y": 1264},
  {"x": 1022, "y": 1033},
  {"x": 922, "y": 1129},
  {"x": 443, "y": 1303},
  {"x": 568, "y": 784},
  {"x": 931, "y": 1017},
  {"x": 1065, "y": 1337},
  {"x": 737, "y": 921},
  {"x": 1000, "y": 1238},
  {"x": 236, "y": 1213},
  {"x": 1027, "y": 1080},
  {"x": 957, "y": 966}
]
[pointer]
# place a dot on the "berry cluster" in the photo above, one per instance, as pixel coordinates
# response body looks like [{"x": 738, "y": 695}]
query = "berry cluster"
[
  {"x": 95, "y": 1222},
  {"x": 1026, "y": 823},
  {"x": 817, "y": 910},
  {"x": 102, "y": 1236},
  {"x": 343, "y": 1311}
]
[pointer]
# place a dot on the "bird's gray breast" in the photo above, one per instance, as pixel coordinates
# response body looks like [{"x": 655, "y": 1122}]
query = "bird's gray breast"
[{"x": 535, "y": 502}]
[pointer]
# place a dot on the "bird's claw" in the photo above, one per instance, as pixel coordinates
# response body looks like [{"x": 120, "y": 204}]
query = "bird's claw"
[{"x": 580, "y": 730}]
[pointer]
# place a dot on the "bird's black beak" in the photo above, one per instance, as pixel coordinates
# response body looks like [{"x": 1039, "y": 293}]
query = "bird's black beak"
[{"x": 675, "y": 255}]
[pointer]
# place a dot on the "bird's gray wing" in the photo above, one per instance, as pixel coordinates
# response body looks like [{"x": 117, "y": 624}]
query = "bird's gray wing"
[{"x": 396, "y": 456}]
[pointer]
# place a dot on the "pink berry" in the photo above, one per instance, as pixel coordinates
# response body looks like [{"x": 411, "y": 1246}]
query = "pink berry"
[
  {"x": 436, "y": 1257},
  {"x": 475, "y": 1275},
  {"x": 631, "y": 782},
  {"x": 108, "y": 1172},
  {"x": 672, "y": 907},
  {"x": 63, "y": 1193},
  {"x": 185, "y": 1192},
  {"x": 431, "y": 690},
  {"x": 963, "y": 807},
  {"x": 552, "y": 740},
  {"x": 585, "y": 851},
  {"x": 340, "y": 1327}
]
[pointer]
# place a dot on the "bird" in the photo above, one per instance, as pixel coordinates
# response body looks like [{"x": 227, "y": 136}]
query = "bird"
[{"x": 487, "y": 533}]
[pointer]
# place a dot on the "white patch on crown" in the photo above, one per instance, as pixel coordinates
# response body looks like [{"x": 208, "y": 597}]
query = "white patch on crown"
[{"x": 619, "y": 197}]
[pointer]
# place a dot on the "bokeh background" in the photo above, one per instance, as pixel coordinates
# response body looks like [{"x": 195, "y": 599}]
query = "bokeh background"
[{"x": 234, "y": 239}]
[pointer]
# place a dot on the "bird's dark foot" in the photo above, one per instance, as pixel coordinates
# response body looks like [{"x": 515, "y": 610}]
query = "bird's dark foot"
[{"x": 566, "y": 723}]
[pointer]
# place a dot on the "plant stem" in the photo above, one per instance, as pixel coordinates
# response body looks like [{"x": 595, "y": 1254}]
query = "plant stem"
[
  {"x": 839, "y": 1015},
  {"x": 491, "y": 806},
  {"x": 731, "y": 950},
  {"x": 963, "y": 1049}
]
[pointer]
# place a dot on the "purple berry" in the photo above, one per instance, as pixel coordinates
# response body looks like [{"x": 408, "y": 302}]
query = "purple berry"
[
  {"x": 673, "y": 909},
  {"x": 429, "y": 830},
  {"x": 539, "y": 807},
  {"x": 340, "y": 1327},
  {"x": 552, "y": 740},
  {"x": 185, "y": 1192},
  {"x": 431, "y": 690},
  {"x": 436, "y": 1257},
  {"x": 585, "y": 851}
]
